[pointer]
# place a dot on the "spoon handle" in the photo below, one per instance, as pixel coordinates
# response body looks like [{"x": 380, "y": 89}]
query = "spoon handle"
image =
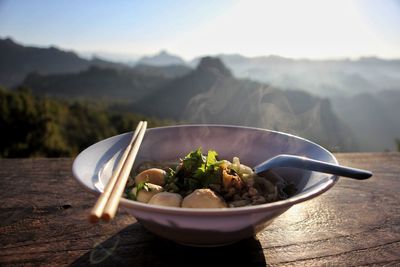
[{"x": 312, "y": 165}]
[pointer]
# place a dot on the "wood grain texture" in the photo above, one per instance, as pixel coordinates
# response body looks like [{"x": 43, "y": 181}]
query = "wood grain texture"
[{"x": 43, "y": 215}]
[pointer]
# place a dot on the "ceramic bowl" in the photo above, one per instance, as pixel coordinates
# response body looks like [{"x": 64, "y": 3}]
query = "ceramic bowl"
[{"x": 207, "y": 227}]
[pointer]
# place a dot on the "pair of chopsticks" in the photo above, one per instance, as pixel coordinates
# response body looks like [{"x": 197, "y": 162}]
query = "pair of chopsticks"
[{"x": 107, "y": 204}]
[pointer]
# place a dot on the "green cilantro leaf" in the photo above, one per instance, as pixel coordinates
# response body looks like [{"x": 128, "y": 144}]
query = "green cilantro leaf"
[
  {"x": 211, "y": 158},
  {"x": 142, "y": 186}
]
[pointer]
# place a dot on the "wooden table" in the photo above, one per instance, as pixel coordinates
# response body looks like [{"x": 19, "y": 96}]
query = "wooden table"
[{"x": 43, "y": 222}]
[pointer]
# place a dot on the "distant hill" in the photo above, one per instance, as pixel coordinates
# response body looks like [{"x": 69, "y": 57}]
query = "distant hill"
[
  {"x": 103, "y": 63},
  {"x": 114, "y": 84},
  {"x": 210, "y": 94},
  {"x": 170, "y": 71},
  {"x": 374, "y": 118},
  {"x": 18, "y": 60},
  {"x": 328, "y": 78},
  {"x": 161, "y": 59},
  {"x": 169, "y": 101}
]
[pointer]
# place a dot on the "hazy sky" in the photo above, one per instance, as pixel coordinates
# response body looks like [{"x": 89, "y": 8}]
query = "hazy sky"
[{"x": 300, "y": 29}]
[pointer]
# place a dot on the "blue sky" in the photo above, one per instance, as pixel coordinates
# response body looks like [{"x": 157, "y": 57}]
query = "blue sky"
[{"x": 299, "y": 29}]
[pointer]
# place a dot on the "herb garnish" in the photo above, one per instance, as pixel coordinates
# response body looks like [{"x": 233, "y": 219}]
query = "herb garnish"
[
  {"x": 199, "y": 170},
  {"x": 140, "y": 186}
]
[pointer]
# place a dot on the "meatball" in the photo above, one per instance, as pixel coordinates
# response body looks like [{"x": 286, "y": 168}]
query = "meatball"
[
  {"x": 203, "y": 198},
  {"x": 145, "y": 195},
  {"x": 166, "y": 199},
  {"x": 153, "y": 175}
]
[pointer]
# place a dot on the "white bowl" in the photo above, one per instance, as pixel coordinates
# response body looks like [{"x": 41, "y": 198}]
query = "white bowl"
[{"x": 207, "y": 227}]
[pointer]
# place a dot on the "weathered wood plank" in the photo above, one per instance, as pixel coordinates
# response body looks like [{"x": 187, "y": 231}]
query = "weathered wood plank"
[{"x": 43, "y": 222}]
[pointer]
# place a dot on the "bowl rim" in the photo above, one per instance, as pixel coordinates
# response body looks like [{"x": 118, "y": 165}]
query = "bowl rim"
[{"x": 276, "y": 205}]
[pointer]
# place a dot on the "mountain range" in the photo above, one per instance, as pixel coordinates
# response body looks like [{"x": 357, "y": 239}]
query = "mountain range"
[
  {"x": 361, "y": 118},
  {"x": 207, "y": 94},
  {"x": 327, "y": 78},
  {"x": 96, "y": 82},
  {"x": 17, "y": 61}
]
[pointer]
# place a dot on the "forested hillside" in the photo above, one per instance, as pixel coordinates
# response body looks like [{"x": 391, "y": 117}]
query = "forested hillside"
[{"x": 34, "y": 126}]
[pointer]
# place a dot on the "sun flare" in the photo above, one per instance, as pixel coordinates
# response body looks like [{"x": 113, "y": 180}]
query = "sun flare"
[{"x": 311, "y": 29}]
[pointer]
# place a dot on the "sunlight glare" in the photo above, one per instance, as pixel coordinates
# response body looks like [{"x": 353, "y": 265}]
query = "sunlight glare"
[{"x": 311, "y": 28}]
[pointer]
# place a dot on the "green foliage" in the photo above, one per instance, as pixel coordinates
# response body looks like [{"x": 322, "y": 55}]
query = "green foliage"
[
  {"x": 193, "y": 161},
  {"x": 199, "y": 171},
  {"x": 397, "y": 140},
  {"x": 42, "y": 127},
  {"x": 141, "y": 186}
]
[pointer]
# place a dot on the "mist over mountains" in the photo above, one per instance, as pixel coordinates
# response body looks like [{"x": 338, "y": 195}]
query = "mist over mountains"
[
  {"x": 343, "y": 105},
  {"x": 211, "y": 94},
  {"x": 374, "y": 118},
  {"x": 330, "y": 78}
]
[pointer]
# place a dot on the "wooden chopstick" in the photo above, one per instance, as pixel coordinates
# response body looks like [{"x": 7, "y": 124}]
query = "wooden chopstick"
[
  {"x": 111, "y": 207},
  {"x": 98, "y": 209}
]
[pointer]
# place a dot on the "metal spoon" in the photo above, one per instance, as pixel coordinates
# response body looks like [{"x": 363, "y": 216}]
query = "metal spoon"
[{"x": 312, "y": 165}]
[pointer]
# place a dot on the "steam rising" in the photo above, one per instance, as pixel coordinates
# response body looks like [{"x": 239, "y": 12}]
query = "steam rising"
[{"x": 247, "y": 103}]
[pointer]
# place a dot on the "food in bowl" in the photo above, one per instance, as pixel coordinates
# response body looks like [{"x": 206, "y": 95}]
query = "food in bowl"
[
  {"x": 205, "y": 181},
  {"x": 94, "y": 166}
]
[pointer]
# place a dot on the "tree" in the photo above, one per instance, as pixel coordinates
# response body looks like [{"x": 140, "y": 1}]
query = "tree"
[{"x": 33, "y": 126}]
